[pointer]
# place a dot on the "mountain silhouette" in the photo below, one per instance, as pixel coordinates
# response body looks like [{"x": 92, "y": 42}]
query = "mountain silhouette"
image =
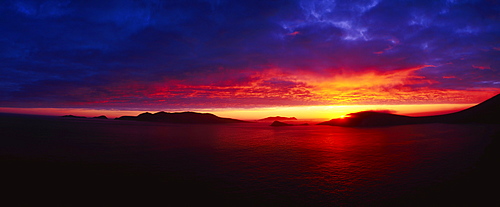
[
  {"x": 278, "y": 118},
  {"x": 73, "y": 116},
  {"x": 486, "y": 112},
  {"x": 278, "y": 123},
  {"x": 100, "y": 117},
  {"x": 181, "y": 117}
]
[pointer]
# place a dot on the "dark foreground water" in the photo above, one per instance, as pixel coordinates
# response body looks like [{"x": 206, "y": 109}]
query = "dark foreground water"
[{"x": 90, "y": 162}]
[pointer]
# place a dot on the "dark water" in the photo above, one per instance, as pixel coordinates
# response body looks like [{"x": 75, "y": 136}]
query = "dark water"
[{"x": 66, "y": 162}]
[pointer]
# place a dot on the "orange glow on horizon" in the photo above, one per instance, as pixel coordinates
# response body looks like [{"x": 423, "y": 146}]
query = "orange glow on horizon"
[
  {"x": 330, "y": 112},
  {"x": 318, "y": 113}
]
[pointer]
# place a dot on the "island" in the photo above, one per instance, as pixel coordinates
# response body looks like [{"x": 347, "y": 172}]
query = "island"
[
  {"x": 487, "y": 112},
  {"x": 181, "y": 118},
  {"x": 278, "y": 123},
  {"x": 73, "y": 116},
  {"x": 278, "y": 118}
]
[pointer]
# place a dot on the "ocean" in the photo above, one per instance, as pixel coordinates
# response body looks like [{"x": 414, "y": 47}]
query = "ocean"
[{"x": 94, "y": 162}]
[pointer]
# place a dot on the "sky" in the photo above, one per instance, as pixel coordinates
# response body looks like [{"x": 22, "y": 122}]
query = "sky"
[{"x": 247, "y": 57}]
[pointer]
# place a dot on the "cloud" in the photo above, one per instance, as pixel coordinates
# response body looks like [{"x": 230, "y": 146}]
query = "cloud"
[{"x": 249, "y": 53}]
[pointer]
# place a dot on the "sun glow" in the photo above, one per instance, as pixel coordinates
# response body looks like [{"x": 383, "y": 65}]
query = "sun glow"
[
  {"x": 336, "y": 111},
  {"x": 314, "y": 113}
]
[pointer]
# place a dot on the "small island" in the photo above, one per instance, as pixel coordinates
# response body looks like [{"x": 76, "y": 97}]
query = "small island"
[
  {"x": 101, "y": 117},
  {"x": 73, "y": 116},
  {"x": 278, "y": 123},
  {"x": 278, "y": 118}
]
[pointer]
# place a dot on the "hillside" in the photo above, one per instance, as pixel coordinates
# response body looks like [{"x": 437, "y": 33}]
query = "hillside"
[
  {"x": 485, "y": 112},
  {"x": 181, "y": 118},
  {"x": 278, "y": 118}
]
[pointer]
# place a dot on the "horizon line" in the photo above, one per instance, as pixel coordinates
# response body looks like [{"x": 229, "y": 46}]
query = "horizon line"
[{"x": 300, "y": 112}]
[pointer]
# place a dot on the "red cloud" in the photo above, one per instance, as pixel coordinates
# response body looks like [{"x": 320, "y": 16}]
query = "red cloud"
[{"x": 481, "y": 67}]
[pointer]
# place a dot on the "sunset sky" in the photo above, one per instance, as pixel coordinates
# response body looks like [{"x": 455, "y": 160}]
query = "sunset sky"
[{"x": 247, "y": 59}]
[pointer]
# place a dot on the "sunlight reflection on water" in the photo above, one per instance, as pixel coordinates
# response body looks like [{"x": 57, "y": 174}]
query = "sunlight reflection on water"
[
  {"x": 320, "y": 160},
  {"x": 323, "y": 163}
]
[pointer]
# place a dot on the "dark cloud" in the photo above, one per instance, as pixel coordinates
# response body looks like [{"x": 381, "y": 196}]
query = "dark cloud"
[{"x": 63, "y": 52}]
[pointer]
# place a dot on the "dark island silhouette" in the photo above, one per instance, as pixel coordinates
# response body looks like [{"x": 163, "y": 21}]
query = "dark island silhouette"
[
  {"x": 279, "y": 123},
  {"x": 181, "y": 118},
  {"x": 83, "y": 117},
  {"x": 73, "y": 116},
  {"x": 487, "y": 112},
  {"x": 100, "y": 117},
  {"x": 278, "y": 118}
]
